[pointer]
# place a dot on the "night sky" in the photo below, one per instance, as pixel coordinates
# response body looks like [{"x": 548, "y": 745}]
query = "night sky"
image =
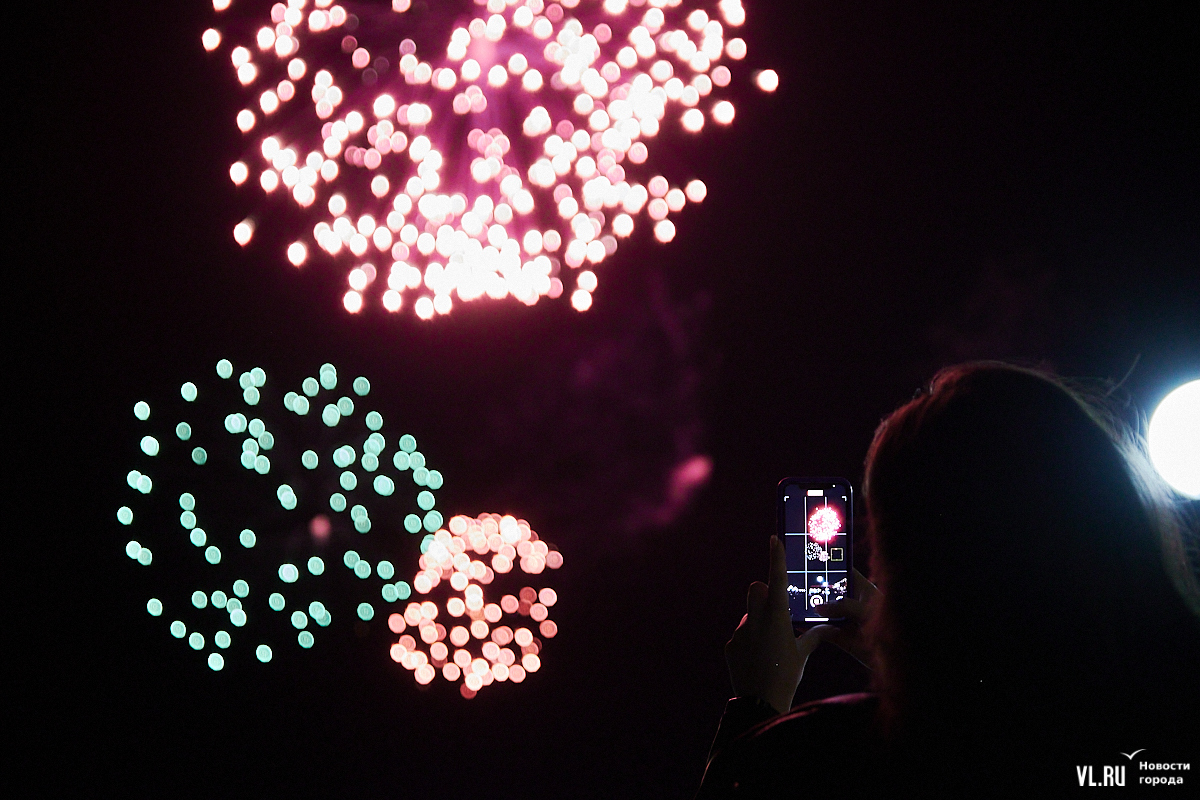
[{"x": 931, "y": 183}]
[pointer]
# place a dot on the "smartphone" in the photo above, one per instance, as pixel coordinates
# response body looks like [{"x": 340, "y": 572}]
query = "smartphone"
[{"x": 816, "y": 521}]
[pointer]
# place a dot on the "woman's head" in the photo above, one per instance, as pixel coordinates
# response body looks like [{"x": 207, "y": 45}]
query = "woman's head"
[{"x": 1020, "y": 563}]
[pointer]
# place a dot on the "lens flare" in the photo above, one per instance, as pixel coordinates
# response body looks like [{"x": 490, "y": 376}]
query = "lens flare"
[
  {"x": 1174, "y": 439},
  {"x": 497, "y": 157},
  {"x": 823, "y": 523},
  {"x": 480, "y": 572}
]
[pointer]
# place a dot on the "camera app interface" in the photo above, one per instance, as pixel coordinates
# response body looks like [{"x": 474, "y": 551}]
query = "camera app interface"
[{"x": 817, "y": 543}]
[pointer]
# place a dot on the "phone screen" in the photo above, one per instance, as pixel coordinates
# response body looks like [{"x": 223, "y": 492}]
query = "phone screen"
[{"x": 815, "y": 521}]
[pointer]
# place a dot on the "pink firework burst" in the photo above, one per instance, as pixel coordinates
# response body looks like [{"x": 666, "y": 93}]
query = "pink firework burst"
[
  {"x": 823, "y": 524},
  {"x": 502, "y": 153},
  {"x": 483, "y": 629}
]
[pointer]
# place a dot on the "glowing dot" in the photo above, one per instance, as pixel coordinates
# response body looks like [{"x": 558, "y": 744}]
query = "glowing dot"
[
  {"x": 150, "y": 445},
  {"x": 154, "y": 607},
  {"x": 1174, "y": 439},
  {"x": 141, "y": 410},
  {"x": 361, "y": 387},
  {"x": 309, "y": 459},
  {"x": 287, "y": 497},
  {"x": 736, "y": 49},
  {"x": 362, "y": 569},
  {"x": 693, "y": 120},
  {"x": 243, "y": 231},
  {"x": 144, "y": 484},
  {"x": 211, "y": 38},
  {"x": 330, "y": 415},
  {"x": 133, "y": 549},
  {"x": 125, "y": 515},
  {"x": 247, "y": 538},
  {"x": 723, "y": 112},
  {"x": 196, "y": 640},
  {"x": 199, "y": 599},
  {"x": 288, "y": 573},
  {"x": 178, "y": 629},
  {"x": 297, "y": 253},
  {"x": 212, "y": 554},
  {"x": 241, "y": 588},
  {"x": 767, "y": 79},
  {"x": 581, "y": 299},
  {"x": 316, "y": 566},
  {"x": 276, "y": 601},
  {"x": 187, "y": 501},
  {"x": 305, "y": 639},
  {"x": 299, "y": 619},
  {"x": 198, "y": 537},
  {"x": 219, "y": 599},
  {"x": 222, "y": 639},
  {"x": 263, "y": 653},
  {"x": 365, "y": 612}
]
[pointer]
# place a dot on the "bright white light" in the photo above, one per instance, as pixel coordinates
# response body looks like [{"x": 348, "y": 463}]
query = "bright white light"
[{"x": 1174, "y": 439}]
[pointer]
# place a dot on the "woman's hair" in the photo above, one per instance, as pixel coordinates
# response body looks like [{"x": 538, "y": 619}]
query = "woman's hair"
[{"x": 1029, "y": 561}]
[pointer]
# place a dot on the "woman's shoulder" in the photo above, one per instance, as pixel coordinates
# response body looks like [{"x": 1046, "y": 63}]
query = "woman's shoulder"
[
  {"x": 825, "y": 744},
  {"x": 847, "y": 717}
]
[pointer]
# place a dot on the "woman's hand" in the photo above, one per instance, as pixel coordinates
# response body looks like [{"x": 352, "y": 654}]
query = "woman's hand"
[
  {"x": 849, "y": 634},
  {"x": 765, "y": 658}
]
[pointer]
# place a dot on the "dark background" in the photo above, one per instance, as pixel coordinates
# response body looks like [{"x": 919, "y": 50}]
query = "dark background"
[{"x": 931, "y": 183}]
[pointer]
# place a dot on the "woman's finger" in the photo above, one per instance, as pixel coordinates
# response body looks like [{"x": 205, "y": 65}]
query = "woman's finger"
[
  {"x": 778, "y": 597},
  {"x": 807, "y": 642},
  {"x": 756, "y": 599},
  {"x": 854, "y": 610},
  {"x": 864, "y": 590}
]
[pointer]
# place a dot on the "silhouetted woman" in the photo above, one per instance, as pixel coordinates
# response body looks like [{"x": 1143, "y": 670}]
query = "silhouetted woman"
[{"x": 1036, "y": 612}]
